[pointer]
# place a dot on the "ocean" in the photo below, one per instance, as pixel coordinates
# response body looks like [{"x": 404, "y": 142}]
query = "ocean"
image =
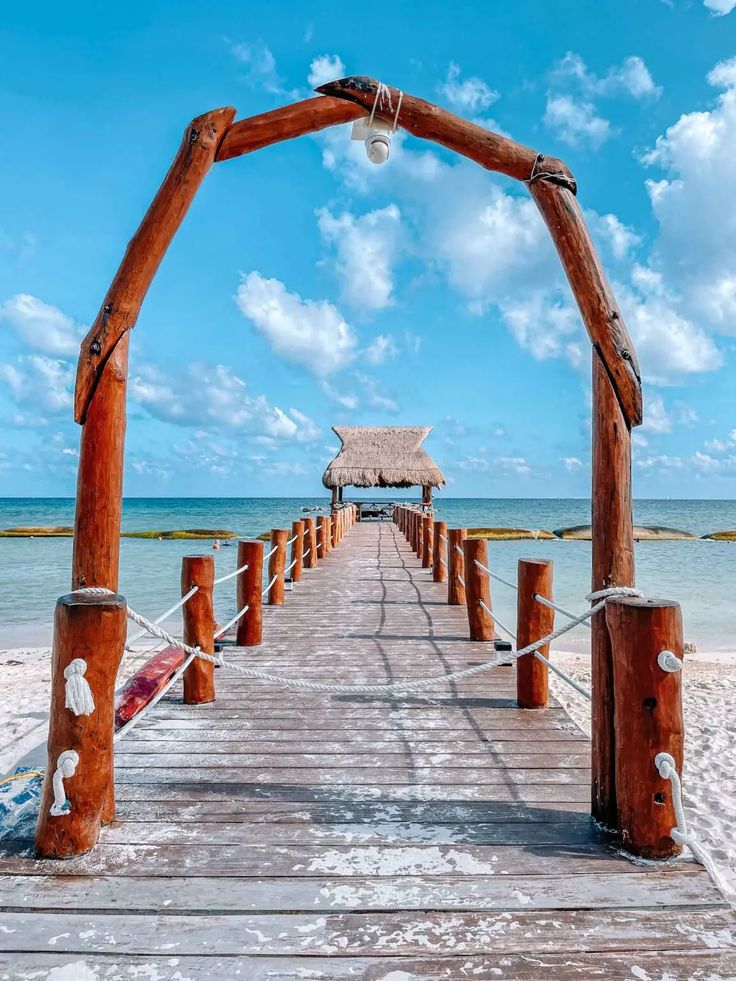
[{"x": 700, "y": 575}]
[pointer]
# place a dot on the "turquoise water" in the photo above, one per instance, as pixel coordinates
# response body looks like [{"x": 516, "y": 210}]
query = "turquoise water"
[{"x": 701, "y": 575}]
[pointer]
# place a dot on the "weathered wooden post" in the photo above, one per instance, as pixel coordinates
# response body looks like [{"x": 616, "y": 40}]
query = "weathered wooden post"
[
  {"x": 297, "y": 550},
  {"x": 199, "y": 626},
  {"x": 647, "y": 644},
  {"x": 439, "y": 555},
  {"x": 478, "y": 589},
  {"x": 249, "y": 592},
  {"x": 310, "y": 543},
  {"x": 276, "y": 566},
  {"x": 419, "y": 543},
  {"x": 87, "y": 630},
  {"x": 427, "y": 541},
  {"x": 456, "y": 566},
  {"x": 533, "y": 621},
  {"x": 323, "y": 532}
]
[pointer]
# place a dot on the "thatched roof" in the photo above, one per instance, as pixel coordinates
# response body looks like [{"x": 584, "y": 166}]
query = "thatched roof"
[{"x": 382, "y": 456}]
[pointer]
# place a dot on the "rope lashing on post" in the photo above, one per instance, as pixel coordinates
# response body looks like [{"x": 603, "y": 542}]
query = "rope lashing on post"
[
  {"x": 680, "y": 834},
  {"x": 77, "y": 693},
  {"x": 66, "y": 766},
  {"x": 230, "y": 575},
  {"x": 669, "y": 661}
]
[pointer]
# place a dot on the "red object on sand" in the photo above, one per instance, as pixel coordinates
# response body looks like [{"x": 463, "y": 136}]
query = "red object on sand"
[{"x": 146, "y": 684}]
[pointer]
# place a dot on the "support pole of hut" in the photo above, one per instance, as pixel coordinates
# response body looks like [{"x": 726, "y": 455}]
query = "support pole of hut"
[
  {"x": 427, "y": 541},
  {"x": 613, "y": 565},
  {"x": 310, "y": 543},
  {"x": 297, "y": 550},
  {"x": 323, "y": 533},
  {"x": 427, "y": 496},
  {"x": 249, "y": 592},
  {"x": 89, "y": 633},
  {"x": 456, "y": 566},
  {"x": 334, "y": 498},
  {"x": 533, "y": 621},
  {"x": 199, "y": 626},
  {"x": 277, "y": 566},
  {"x": 439, "y": 556},
  {"x": 478, "y": 589},
  {"x": 647, "y": 644}
]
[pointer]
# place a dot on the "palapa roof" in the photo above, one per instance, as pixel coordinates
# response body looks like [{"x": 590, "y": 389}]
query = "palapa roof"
[{"x": 382, "y": 456}]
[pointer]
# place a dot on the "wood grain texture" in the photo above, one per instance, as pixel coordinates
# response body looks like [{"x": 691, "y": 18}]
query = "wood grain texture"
[
  {"x": 122, "y": 304},
  {"x": 92, "y": 628},
  {"x": 439, "y": 554},
  {"x": 648, "y": 720},
  {"x": 296, "y": 555},
  {"x": 533, "y": 621},
  {"x": 310, "y": 543},
  {"x": 198, "y": 615},
  {"x": 456, "y": 566},
  {"x": 477, "y": 590},
  {"x": 249, "y": 592},
  {"x": 277, "y": 566}
]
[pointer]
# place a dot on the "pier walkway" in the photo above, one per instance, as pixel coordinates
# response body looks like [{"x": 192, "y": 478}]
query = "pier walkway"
[{"x": 275, "y": 834}]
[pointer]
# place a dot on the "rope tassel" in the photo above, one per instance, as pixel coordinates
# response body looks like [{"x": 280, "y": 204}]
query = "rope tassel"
[
  {"x": 66, "y": 766},
  {"x": 78, "y": 694}
]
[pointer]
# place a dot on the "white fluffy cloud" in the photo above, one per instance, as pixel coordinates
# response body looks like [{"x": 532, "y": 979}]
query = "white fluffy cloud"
[
  {"x": 312, "y": 333},
  {"x": 325, "y": 68},
  {"x": 469, "y": 95},
  {"x": 576, "y": 121},
  {"x": 366, "y": 250},
  {"x": 696, "y": 245},
  {"x": 381, "y": 349},
  {"x": 259, "y": 66},
  {"x": 41, "y": 326},
  {"x": 719, "y": 8},
  {"x": 222, "y": 403},
  {"x": 631, "y": 77},
  {"x": 39, "y": 384}
]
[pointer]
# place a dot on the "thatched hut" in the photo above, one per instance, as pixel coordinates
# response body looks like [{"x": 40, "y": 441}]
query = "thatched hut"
[{"x": 382, "y": 456}]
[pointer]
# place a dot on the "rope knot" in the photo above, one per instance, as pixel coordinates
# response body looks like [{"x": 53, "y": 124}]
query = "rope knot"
[
  {"x": 78, "y": 695},
  {"x": 612, "y": 592},
  {"x": 66, "y": 766}
]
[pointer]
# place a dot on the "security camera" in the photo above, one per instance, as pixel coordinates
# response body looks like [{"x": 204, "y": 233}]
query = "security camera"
[{"x": 378, "y": 147}]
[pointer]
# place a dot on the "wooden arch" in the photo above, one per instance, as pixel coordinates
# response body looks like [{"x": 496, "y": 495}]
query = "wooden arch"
[{"x": 99, "y": 404}]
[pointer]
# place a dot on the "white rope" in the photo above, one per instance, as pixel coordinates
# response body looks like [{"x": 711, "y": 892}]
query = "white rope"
[
  {"x": 612, "y": 591},
  {"x": 319, "y": 545},
  {"x": 458, "y": 549},
  {"x": 495, "y": 619},
  {"x": 164, "y": 616},
  {"x": 680, "y": 834},
  {"x": 77, "y": 693},
  {"x": 66, "y": 765},
  {"x": 272, "y": 552},
  {"x": 443, "y": 537},
  {"x": 553, "y": 606},
  {"x": 305, "y": 553},
  {"x": 460, "y": 579},
  {"x": 387, "y": 688},
  {"x": 270, "y": 584},
  {"x": 443, "y": 561},
  {"x": 231, "y": 623},
  {"x": 495, "y": 575},
  {"x": 230, "y": 575},
  {"x": 292, "y": 540},
  {"x": 290, "y": 567}
]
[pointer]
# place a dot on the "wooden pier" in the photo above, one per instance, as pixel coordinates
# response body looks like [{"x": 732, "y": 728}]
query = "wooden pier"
[{"x": 277, "y": 834}]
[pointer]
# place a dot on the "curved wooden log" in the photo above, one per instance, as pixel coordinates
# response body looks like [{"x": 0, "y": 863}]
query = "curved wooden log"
[
  {"x": 146, "y": 683},
  {"x": 146, "y": 249},
  {"x": 553, "y": 189},
  {"x": 284, "y": 123}
]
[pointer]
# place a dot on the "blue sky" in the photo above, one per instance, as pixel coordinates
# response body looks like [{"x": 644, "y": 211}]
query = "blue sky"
[{"x": 308, "y": 287}]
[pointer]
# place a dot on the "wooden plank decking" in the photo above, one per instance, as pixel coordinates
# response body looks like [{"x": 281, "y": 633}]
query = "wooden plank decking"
[{"x": 275, "y": 834}]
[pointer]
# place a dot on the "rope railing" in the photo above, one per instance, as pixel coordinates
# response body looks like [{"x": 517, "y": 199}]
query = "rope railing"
[
  {"x": 231, "y": 575},
  {"x": 553, "y": 606},
  {"x": 231, "y": 623},
  {"x": 460, "y": 579},
  {"x": 273, "y": 551},
  {"x": 495, "y": 575},
  {"x": 164, "y": 616},
  {"x": 263, "y": 592},
  {"x": 495, "y": 619},
  {"x": 290, "y": 567}
]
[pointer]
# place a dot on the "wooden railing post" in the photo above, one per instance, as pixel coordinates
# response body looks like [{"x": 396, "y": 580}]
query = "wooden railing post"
[
  {"x": 456, "y": 566},
  {"x": 277, "y": 565},
  {"x": 297, "y": 550},
  {"x": 439, "y": 556},
  {"x": 477, "y": 589},
  {"x": 419, "y": 543},
  {"x": 88, "y": 629},
  {"x": 427, "y": 541},
  {"x": 323, "y": 533},
  {"x": 199, "y": 626},
  {"x": 310, "y": 543},
  {"x": 533, "y": 621},
  {"x": 647, "y": 643},
  {"x": 249, "y": 592}
]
